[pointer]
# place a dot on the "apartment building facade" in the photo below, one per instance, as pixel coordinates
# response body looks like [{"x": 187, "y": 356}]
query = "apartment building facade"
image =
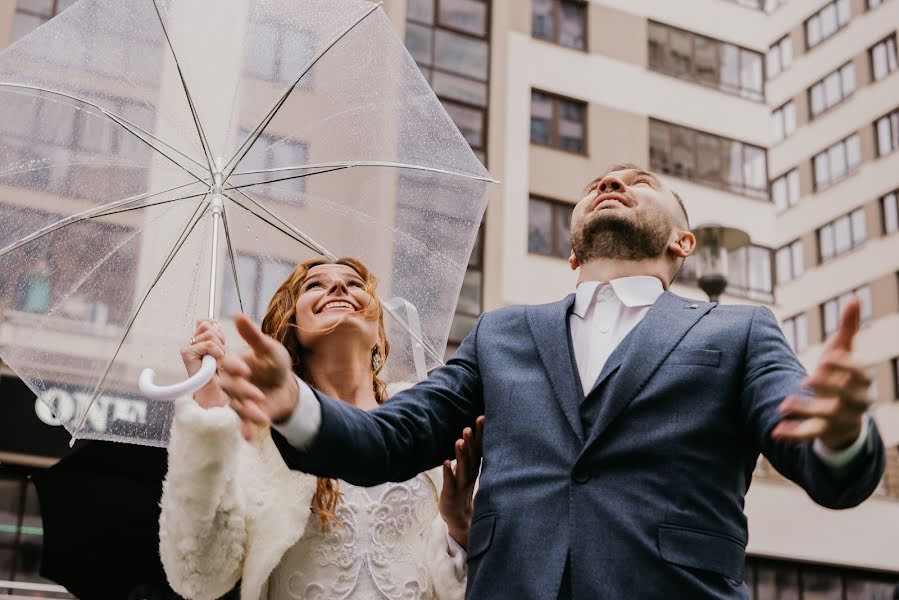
[{"x": 777, "y": 117}]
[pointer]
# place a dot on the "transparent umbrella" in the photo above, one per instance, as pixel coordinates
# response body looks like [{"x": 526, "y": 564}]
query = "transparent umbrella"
[{"x": 165, "y": 160}]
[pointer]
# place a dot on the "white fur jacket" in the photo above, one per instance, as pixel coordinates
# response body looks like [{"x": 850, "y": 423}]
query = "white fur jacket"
[{"x": 232, "y": 510}]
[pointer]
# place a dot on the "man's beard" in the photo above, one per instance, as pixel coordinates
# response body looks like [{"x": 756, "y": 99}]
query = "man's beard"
[{"x": 619, "y": 238}]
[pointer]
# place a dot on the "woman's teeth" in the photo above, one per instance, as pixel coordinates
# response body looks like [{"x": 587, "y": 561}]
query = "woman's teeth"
[{"x": 337, "y": 305}]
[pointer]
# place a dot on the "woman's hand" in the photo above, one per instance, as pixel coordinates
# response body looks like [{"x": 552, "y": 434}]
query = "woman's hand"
[
  {"x": 207, "y": 339},
  {"x": 457, "y": 496},
  {"x": 259, "y": 379}
]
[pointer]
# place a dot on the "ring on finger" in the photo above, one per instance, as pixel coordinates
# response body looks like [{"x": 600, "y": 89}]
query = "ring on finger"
[{"x": 193, "y": 340}]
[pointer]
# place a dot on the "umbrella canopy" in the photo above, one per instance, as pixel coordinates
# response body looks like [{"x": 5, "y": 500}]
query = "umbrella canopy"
[{"x": 134, "y": 132}]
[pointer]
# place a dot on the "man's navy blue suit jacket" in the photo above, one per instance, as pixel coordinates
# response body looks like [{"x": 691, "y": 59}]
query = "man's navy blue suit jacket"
[{"x": 639, "y": 484}]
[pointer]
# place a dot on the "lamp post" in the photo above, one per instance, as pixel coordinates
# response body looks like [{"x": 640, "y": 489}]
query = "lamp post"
[{"x": 713, "y": 242}]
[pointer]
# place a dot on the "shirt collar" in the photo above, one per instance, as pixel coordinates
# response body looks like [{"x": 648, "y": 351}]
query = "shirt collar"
[{"x": 639, "y": 290}]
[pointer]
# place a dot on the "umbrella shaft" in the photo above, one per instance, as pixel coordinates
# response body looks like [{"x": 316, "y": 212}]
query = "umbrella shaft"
[{"x": 213, "y": 266}]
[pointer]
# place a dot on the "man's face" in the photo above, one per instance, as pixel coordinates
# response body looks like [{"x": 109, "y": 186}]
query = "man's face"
[{"x": 626, "y": 215}]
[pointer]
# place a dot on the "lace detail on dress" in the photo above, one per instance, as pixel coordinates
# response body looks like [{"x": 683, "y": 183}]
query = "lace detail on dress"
[{"x": 378, "y": 552}]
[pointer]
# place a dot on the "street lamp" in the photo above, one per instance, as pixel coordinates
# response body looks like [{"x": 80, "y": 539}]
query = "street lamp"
[{"x": 713, "y": 242}]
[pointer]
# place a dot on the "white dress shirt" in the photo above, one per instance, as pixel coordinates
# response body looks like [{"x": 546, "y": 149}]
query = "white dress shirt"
[{"x": 602, "y": 315}]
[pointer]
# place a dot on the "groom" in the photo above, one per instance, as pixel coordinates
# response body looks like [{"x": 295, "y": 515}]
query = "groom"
[{"x": 623, "y": 422}]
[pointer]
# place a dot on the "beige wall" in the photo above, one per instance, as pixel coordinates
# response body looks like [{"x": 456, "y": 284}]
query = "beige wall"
[
  {"x": 808, "y": 67},
  {"x": 613, "y": 136},
  {"x": 622, "y": 95},
  {"x": 787, "y": 524},
  {"x": 617, "y": 34},
  {"x": 7, "y": 13}
]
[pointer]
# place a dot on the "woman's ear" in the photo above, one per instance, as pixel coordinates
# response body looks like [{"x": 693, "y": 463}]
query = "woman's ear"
[{"x": 683, "y": 246}]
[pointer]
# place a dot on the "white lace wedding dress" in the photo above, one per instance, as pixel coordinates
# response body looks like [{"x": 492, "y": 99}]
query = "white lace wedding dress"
[
  {"x": 234, "y": 511},
  {"x": 376, "y": 553}
]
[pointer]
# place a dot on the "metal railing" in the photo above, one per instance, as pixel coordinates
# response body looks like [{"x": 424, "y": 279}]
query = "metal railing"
[{"x": 16, "y": 590}]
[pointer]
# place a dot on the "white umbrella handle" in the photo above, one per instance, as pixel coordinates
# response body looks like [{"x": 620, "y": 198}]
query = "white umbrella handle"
[{"x": 170, "y": 392}]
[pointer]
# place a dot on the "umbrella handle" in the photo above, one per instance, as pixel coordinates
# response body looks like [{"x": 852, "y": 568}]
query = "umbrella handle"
[{"x": 170, "y": 392}]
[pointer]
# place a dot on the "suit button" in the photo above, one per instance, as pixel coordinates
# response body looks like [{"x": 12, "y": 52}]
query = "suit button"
[{"x": 580, "y": 476}]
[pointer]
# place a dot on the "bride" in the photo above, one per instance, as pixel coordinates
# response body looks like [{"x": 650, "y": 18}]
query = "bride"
[{"x": 232, "y": 510}]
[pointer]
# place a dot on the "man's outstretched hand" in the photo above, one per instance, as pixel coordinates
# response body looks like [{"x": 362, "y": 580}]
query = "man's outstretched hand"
[
  {"x": 834, "y": 414},
  {"x": 259, "y": 379}
]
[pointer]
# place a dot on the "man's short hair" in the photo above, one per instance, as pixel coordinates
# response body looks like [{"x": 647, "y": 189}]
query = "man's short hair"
[{"x": 635, "y": 167}]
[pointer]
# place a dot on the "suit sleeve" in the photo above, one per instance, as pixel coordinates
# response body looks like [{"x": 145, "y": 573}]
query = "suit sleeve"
[
  {"x": 413, "y": 432},
  {"x": 773, "y": 372}
]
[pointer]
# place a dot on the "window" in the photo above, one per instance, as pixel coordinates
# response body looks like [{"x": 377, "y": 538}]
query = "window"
[
  {"x": 833, "y": 308},
  {"x": 46, "y": 283},
  {"x": 21, "y": 529},
  {"x": 784, "y": 121},
  {"x": 471, "y": 296},
  {"x": 780, "y": 57},
  {"x": 706, "y": 61},
  {"x": 769, "y": 6},
  {"x": 45, "y": 131},
  {"x": 563, "y": 22},
  {"x": 749, "y": 273},
  {"x": 284, "y": 55},
  {"x": 837, "y": 162},
  {"x": 558, "y": 122},
  {"x": 827, "y": 22},
  {"x": 873, "y": 392},
  {"x": 785, "y": 190},
  {"x": 707, "y": 158},
  {"x": 796, "y": 332},
  {"x": 887, "y": 133},
  {"x": 258, "y": 279},
  {"x": 272, "y": 152},
  {"x": 469, "y": 16},
  {"x": 448, "y": 41},
  {"x": 832, "y": 90},
  {"x": 896, "y": 378},
  {"x": 883, "y": 58},
  {"x": 790, "y": 262},
  {"x": 548, "y": 227},
  {"x": 30, "y": 14},
  {"x": 890, "y": 207},
  {"x": 842, "y": 235},
  {"x": 784, "y": 580}
]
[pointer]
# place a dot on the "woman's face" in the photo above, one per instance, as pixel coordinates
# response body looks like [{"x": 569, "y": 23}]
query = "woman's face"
[{"x": 334, "y": 294}]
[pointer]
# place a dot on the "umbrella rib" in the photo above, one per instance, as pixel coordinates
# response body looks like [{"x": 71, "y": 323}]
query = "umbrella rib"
[
  {"x": 151, "y": 205},
  {"x": 134, "y": 233},
  {"x": 274, "y": 226},
  {"x": 231, "y": 256},
  {"x": 163, "y": 154},
  {"x": 182, "y": 238},
  {"x": 424, "y": 344},
  {"x": 190, "y": 101},
  {"x": 86, "y": 214},
  {"x": 257, "y": 132},
  {"x": 369, "y": 163},
  {"x": 118, "y": 120},
  {"x": 331, "y": 256},
  {"x": 246, "y": 185},
  {"x": 307, "y": 241}
]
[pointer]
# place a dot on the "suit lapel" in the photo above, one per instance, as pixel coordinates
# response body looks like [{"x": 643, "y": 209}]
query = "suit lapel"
[
  {"x": 612, "y": 364},
  {"x": 650, "y": 343},
  {"x": 549, "y": 328}
]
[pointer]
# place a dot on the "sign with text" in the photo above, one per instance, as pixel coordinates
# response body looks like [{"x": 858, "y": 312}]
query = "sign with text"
[{"x": 33, "y": 425}]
